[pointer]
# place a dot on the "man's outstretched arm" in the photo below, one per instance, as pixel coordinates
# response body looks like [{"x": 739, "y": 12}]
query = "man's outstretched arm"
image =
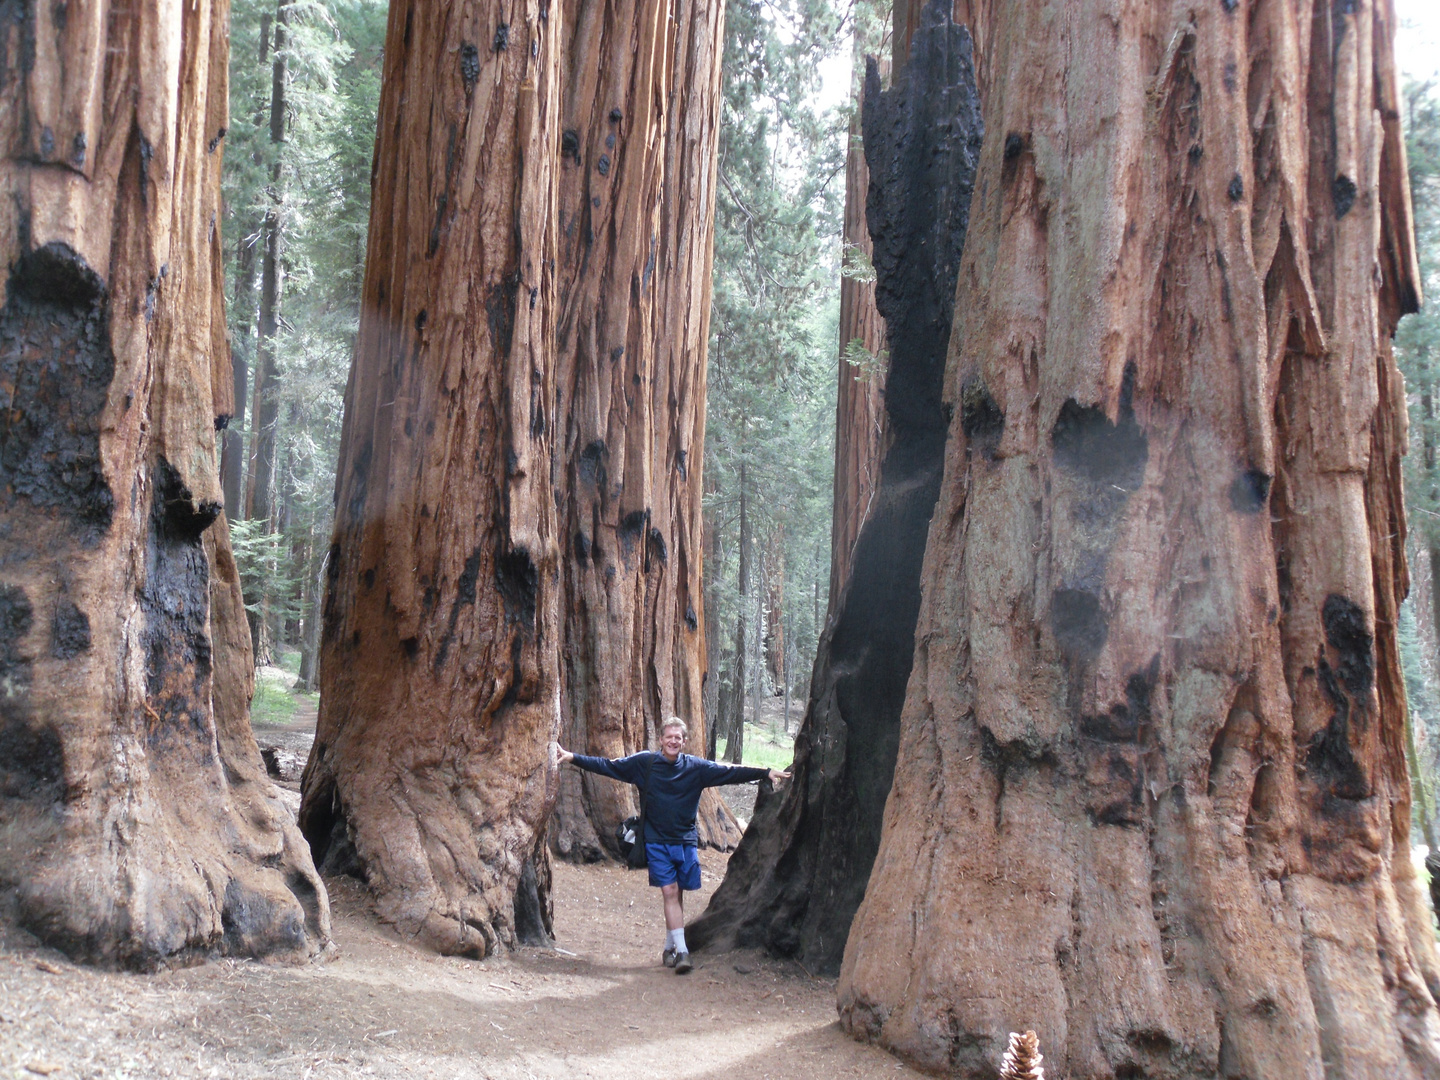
[
  {"x": 626, "y": 770},
  {"x": 717, "y": 775}
]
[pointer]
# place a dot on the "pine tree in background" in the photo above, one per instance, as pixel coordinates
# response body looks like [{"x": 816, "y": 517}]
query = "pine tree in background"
[
  {"x": 313, "y": 185},
  {"x": 770, "y": 426},
  {"x": 1417, "y": 351}
]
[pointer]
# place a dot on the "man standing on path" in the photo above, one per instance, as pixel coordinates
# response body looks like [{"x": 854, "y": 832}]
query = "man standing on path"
[{"x": 671, "y": 783}]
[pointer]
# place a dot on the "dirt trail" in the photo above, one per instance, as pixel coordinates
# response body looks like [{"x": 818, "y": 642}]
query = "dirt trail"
[{"x": 383, "y": 1008}]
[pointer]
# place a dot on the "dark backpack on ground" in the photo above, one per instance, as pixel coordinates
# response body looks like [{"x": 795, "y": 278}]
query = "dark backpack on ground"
[{"x": 630, "y": 833}]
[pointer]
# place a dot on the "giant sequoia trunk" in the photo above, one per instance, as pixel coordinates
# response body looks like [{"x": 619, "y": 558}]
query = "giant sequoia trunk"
[
  {"x": 440, "y": 693},
  {"x": 137, "y": 824},
  {"x": 637, "y": 177},
  {"x": 1151, "y": 795},
  {"x": 795, "y": 882}
]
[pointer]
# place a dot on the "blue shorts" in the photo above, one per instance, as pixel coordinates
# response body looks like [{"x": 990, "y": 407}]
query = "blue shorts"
[{"x": 670, "y": 863}]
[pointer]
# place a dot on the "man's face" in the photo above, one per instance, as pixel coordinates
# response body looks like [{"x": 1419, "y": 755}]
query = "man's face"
[{"x": 672, "y": 741}]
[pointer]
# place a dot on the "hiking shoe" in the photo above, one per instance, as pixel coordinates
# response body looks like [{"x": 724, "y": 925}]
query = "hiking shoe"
[
  {"x": 668, "y": 957},
  {"x": 682, "y": 964}
]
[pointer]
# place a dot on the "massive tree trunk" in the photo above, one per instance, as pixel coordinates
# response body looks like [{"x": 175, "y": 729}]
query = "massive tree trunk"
[
  {"x": 1151, "y": 797},
  {"x": 795, "y": 882},
  {"x": 136, "y": 821},
  {"x": 431, "y": 771},
  {"x": 637, "y": 176}
]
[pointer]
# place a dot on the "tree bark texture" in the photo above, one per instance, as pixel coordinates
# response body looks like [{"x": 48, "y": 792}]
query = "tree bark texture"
[
  {"x": 137, "y": 824},
  {"x": 773, "y": 574},
  {"x": 860, "y": 397},
  {"x": 431, "y": 772},
  {"x": 795, "y": 882},
  {"x": 1151, "y": 797},
  {"x": 637, "y": 190}
]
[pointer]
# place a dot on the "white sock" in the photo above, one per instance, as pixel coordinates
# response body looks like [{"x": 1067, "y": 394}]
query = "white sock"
[{"x": 676, "y": 940}]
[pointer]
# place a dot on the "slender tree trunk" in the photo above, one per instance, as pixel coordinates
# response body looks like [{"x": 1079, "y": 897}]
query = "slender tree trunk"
[
  {"x": 1151, "y": 797},
  {"x": 139, "y": 825},
  {"x": 735, "y": 721},
  {"x": 757, "y": 682},
  {"x": 637, "y": 161},
  {"x": 713, "y": 693},
  {"x": 859, "y": 401},
  {"x": 785, "y": 683},
  {"x": 260, "y": 478},
  {"x": 431, "y": 771},
  {"x": 310, "y": 636},
  {"x": 775, "y": 606},
  {"x": 232, "y": 454},
  {"x": 795, "y": 882},
  {"x": 260, "y": 488}
]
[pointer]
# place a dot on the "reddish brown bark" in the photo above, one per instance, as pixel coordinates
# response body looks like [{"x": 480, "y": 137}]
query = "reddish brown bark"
[
  {"x": 860, "y": 400},
  {"x": 431, "y": 771},
  {"x": 1151, "y": 796},
  {"x": 773, "y": 571},
  {"x": 637, "y": 175},
  {"x": 138, "y": 822}
]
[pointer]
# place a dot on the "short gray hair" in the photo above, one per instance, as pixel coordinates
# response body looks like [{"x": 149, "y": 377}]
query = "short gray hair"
[{"x": 675, "y": 721}]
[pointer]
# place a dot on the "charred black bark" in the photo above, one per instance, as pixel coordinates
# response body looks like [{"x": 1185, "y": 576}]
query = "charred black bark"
[
  {"x": 56, "y": 366},
  {"x": 796, "y": 880}
]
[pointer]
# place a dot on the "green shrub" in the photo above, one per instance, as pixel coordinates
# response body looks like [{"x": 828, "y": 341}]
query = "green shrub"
[{"x": 272, "y": 705}]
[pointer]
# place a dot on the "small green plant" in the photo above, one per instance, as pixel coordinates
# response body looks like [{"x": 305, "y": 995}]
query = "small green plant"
[
  {"x": 856, "y": 264},
  {"x": 869, "y": 367},
  {"x": 763, "y": 752},
  {"x": 272, "y": 705}
]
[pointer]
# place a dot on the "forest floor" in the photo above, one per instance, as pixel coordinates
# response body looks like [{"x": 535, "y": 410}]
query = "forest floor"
[
  {"x": 603, "y": 1007},
  {"x": 598, "y": 1005}
]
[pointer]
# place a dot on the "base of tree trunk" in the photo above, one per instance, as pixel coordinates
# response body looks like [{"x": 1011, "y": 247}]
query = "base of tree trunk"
[{"x": 159, "y": 838}]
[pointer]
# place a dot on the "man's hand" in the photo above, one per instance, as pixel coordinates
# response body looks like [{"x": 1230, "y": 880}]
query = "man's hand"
[
  {"x": 776, "y": 776},
  {"x": 563, "y": 756}
]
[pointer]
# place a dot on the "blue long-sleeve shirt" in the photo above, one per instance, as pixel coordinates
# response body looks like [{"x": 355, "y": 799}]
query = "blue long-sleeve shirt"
[{"x": 673, "y": 796}]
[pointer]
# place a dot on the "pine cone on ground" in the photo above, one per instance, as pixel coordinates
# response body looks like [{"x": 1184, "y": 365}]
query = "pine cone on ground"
[{"x": 1022, "y": 1060}]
